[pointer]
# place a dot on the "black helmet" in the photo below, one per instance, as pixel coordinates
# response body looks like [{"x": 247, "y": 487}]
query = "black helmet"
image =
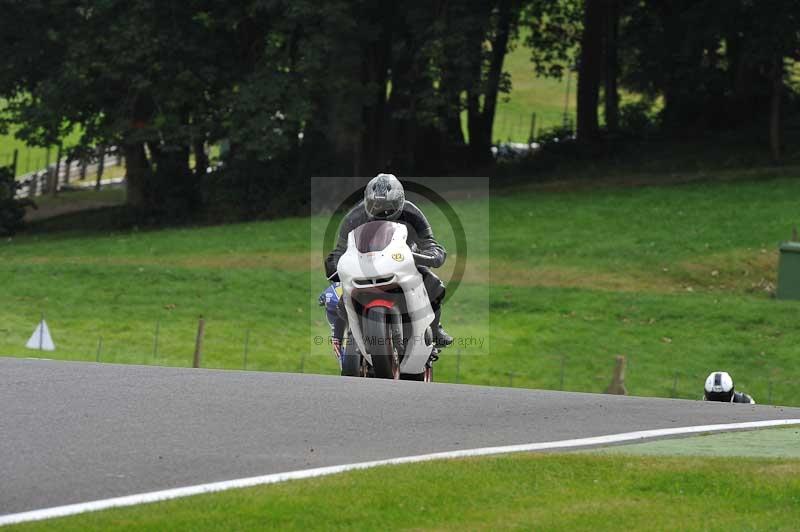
[
  {"x": 384, "y": 197},
  {"x": 719, "y": 387}
]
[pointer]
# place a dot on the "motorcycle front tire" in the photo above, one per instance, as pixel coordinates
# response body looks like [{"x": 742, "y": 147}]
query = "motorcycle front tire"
[{"x": 378, "y": 335}]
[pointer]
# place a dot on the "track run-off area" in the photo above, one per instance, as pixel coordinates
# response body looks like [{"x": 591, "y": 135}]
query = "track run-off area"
[{"x": 76, "y": 432}]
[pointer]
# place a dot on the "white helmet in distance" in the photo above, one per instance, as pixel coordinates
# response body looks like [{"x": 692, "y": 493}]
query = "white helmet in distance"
[
  {"x": 384, "y": 197},
  {"x": 719, "y": 387}
]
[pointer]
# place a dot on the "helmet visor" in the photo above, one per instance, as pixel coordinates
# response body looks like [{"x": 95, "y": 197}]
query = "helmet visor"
[
  {"x": 720, "y": 396},
  {"x": 382, "y": 209}
]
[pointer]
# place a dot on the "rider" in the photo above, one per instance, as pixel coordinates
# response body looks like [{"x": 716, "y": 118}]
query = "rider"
[
  {"x": 384, "y": 199},
  {"x": 329, "y": 299},
  {"x": 719, "y": 387}
]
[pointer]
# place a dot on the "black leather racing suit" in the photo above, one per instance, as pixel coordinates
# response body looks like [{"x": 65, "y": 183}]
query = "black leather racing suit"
[
  {"x": 419, "y": 233},
  {"x": 739, "y": 397}
]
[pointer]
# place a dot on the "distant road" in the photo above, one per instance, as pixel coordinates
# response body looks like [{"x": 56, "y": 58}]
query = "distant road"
[{"x": 72, "y": 432}]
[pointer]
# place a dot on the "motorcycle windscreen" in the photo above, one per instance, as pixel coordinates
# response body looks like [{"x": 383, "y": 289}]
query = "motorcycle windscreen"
[{"x": 373, "y": 236}]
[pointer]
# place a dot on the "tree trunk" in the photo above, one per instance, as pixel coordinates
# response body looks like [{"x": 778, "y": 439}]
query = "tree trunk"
[
  {"x": 376, "y": 59},
  {"x": 101, "y": 165},
  {"x": 404, "y": 81},
  {"x": 200, "y": 158},
  {"x": 475, "y": 126},
  {"x": 775, "y": 109},
  {"x": 67, "y": 169},
  {"x": 507, "y": 14},
  {"x": 137, "y": 175},
  {"x": 175, "y": 189},
  {"x": 612, "y": 94},
  {"x": 474, "y": 116},
  {"x": 589, "y": 70}
]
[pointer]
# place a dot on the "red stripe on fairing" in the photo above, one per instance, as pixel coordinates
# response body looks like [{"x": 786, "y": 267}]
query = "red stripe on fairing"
[{"x": 379, "y": 303}]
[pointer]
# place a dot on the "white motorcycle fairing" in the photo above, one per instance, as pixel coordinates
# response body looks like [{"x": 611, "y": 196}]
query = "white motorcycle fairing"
[{"x": 391, "y": 266}]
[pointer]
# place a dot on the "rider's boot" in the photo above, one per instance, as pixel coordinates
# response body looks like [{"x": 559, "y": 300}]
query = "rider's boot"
[{"x": 440, "y": 336}]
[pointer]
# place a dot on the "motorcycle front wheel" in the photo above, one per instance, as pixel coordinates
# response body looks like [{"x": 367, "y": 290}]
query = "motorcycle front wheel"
[{"x": 380, "y": 341}]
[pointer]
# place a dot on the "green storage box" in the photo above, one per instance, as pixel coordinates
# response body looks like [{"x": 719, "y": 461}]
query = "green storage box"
[{"x": 789, "y": 271}]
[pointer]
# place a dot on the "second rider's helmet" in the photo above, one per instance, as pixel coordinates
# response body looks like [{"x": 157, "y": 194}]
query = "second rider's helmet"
[
  {"x": 719, "y": 387},
  {"x": 384, "y": 197}
]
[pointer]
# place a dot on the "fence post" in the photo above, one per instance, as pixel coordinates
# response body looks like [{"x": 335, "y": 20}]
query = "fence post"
[
  {"x": 41, "y": 332},
  {"x": 155, "y": 340},
  {"x": 56, "y": 172},
  {"x": 246, "y": 345},
  {"x": 48, "y": 177},
  {"x": 198, "y": 344},
  {"x": 458, "y": 365},
  {"x": 533, "y": 129},
  {"x": 675, "y": 386}
]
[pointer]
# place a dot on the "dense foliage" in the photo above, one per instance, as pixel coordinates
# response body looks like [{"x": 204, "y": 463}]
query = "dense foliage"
[
  {"x": 295, "y": 88},
  {"x": 12, "y": 209}
]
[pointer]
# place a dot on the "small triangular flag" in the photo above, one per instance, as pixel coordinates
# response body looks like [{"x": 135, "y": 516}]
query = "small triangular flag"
[{"x": 41, "y": 339}]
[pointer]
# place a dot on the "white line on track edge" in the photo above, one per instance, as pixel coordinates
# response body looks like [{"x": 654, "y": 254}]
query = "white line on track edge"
[{"x": 175, "y": 493}]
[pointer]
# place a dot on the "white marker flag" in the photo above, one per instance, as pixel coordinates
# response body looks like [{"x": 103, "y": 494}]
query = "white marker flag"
[{"x": 41, "y": 339}]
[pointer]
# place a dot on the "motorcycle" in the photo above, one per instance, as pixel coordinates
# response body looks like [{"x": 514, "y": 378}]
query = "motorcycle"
[{"x": 388, "y": 311}]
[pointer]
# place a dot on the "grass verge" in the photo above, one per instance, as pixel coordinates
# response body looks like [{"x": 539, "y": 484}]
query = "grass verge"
[
  {"x": 765, "y": 443},
  {"x": 529, "y": 491},
  {"x": 677, "y": 278}
]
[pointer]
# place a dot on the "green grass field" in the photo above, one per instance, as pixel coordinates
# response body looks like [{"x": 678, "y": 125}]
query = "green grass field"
[
  {"x": 677, "y": 278},
  {"x": 548, "y": 98},
  {"x": 527, "y": 491}
]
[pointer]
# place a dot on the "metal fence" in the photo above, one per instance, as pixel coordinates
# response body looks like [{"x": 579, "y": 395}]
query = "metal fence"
[
  {"x": 65, "y": 173},
  {"x": 249, "y": 346}
]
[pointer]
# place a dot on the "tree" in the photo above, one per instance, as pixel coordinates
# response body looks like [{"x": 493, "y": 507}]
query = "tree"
[
  {"x": 611, "y": 99},
  {"x": 423, "y": 64},
  {"x": 504, "y": 23},
  {"x": 590, "y": 70},
  {"x": 12, "y": 209},
  {"x": 717, "y": 64},
  {"x": 133, "y": 84},
  {"x": 291, "y": 87},
  {"x": 776, "y": 37}
]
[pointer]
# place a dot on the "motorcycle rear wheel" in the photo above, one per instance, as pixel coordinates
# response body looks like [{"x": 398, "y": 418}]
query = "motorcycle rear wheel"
[{"x": 351, "y": 359}]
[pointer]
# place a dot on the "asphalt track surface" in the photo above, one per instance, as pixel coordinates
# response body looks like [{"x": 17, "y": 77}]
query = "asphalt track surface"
[{"x": 72, "y": 432}]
